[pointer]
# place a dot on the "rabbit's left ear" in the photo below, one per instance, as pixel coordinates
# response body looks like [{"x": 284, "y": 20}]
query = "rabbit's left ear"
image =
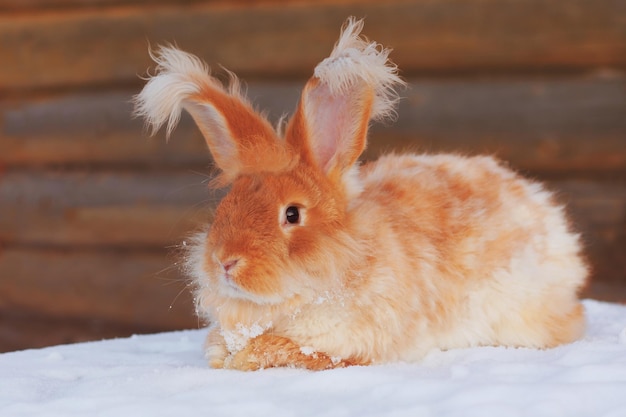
[
  {"x": 348, "y": 89},
  {"x": 240, "y": 139}
]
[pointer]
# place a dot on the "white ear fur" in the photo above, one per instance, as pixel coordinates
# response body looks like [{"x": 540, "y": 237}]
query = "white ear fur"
[
  {"x": 354, "y": 85},
  {"x": 353, "y": 60},
  {"x": 239, "y": 138},
  {"x": 180, "y": 80},
  {"x": 179, "y": 76}
]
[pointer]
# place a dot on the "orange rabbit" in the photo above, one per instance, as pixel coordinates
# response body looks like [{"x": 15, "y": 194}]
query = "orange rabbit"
[{"x": 316, "y": 261}]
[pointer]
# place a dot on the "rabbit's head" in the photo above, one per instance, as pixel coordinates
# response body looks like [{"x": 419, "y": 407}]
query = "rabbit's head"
[{"x": 283, "y": 230}]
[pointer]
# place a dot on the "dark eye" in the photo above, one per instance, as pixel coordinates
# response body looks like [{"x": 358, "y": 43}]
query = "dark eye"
[{"x": 292, "y": 214}]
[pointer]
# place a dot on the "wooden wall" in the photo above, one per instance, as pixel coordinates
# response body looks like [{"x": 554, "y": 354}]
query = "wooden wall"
[{"x": 91, "y": 210}]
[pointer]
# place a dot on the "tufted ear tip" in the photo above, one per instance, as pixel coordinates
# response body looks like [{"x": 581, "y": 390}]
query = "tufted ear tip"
[
  {"x": 354, "y": 85},
  {"x": 356, "y": 61},
  {"x": 238, "y": 137},
  {"x": 178, "y": 77}
]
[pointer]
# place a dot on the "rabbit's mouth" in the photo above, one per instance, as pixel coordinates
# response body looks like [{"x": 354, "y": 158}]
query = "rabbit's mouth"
[{"x": 231, "y": 288}]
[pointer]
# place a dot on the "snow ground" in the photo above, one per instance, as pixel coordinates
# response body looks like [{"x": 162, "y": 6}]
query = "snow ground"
[{"x": 165, "y": 375}]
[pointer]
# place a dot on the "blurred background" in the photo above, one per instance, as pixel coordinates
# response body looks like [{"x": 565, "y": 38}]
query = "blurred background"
[{"x": 92, "y": 210}]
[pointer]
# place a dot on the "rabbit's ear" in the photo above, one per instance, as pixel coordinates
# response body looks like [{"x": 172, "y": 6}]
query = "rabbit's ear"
[
  {"x": 354, "y": 85},
  {"x": 238, "y": 137}
]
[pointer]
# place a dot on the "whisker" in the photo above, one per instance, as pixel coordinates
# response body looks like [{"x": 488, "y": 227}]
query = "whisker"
[
  {"x": 178, "y": 295},
  {"x": 168, "y": 268}
]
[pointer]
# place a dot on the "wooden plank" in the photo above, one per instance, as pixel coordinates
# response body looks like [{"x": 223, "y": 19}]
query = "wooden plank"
[
  {"x": 30, "y": 329},
  {"x": 598, "y": 290},
  {"x": 101, "y": 47},
  {"x": 598, "y": 211},
  {"x": 543, "y": 125},
  {"x": 91, "y": 129},
  {"x": 129, "y": 287},
  {"x": 33, "y": 6},
  {"x": 151, "y": 210}
]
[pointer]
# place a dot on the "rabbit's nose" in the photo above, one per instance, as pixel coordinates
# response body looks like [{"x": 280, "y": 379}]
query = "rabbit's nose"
[{"x": 230, "y": 264}]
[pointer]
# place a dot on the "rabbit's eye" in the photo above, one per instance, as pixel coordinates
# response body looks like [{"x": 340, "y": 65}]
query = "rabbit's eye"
[{"x": 292, "y": 214}]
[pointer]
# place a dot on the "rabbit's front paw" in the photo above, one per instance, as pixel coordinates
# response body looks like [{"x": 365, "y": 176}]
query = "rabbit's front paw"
[
  {"x": 247, "y": 359},
  {"x": 269, "y": 351},
  {"x": 215, "y": 349}
]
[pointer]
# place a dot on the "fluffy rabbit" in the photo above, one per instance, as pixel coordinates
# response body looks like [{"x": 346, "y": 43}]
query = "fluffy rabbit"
[{"x": 316, "y": 261}]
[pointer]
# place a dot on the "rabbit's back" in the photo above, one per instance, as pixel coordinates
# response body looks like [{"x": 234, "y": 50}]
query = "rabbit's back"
[
  {"x": 487, "y": 256},
  {"x": 476, "y": 213}
]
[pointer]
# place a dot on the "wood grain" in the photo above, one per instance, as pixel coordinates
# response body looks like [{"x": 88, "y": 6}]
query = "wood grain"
[
  {"x": 547, "y": 125},
  {"x": 543, "y": 126},
  {"x": 94, "y": 129},
  {"x": 102, "y": 209},
  {"x": 25, "y": 329},
  {"x": 132, "y": 287},
  {"x": 107, "y": 46},
  {"x": 34, "y": 6},
  {"x": 598, "y": 211}
]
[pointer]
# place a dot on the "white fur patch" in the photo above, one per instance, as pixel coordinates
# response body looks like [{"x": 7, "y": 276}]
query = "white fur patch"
[
  {"x": 161, "y": 100},
  {"x": 179, "y": 75},
  {"x": 355, "y": 59},
  {"x": 238, "y": 338},
  {"x": 353, "y": 183},
  {"x": 307, "y": 350}
]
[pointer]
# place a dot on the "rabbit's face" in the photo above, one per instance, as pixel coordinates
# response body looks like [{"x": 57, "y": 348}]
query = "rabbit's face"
[
  {"x": 283, "y": 232},
  {"x": 265, "y": 242}
]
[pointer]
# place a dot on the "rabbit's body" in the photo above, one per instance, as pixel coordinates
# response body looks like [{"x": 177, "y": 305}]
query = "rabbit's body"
[
  {"x": 450, "y": 252},
  {"x": 315, "y": 262}
]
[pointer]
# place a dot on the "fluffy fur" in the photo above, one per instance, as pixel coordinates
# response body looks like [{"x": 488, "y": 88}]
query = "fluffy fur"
[{"x": 388, "y": 260}]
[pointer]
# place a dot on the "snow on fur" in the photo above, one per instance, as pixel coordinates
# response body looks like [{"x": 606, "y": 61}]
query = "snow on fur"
[{"x": 355, "y": 59}]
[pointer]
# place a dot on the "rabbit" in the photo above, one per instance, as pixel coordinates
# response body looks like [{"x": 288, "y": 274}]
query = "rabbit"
[{"x": 316, "y": 261}]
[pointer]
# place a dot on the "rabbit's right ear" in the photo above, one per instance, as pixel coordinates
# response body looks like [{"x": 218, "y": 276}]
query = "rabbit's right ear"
[
  {"x": 354, "y": 85},
  {"x": 239, "y": 138}
]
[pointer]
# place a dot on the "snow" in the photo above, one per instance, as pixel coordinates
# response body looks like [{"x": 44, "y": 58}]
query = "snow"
[
  {"x": 238, "y": 339},
  {"x": 166, "y": 374}
]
